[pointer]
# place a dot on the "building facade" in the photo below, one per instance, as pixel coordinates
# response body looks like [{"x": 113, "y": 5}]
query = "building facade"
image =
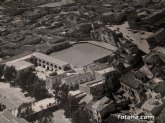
[
  {"x": 55, "y": 78},
  {"x": 50, "y": 63}
]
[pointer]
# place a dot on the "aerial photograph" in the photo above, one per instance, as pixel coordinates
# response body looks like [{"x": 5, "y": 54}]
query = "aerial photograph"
[{"x": 82, "y": 61}]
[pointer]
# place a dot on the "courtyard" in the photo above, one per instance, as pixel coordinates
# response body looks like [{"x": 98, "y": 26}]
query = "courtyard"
[{"x": 81, "y": 54}]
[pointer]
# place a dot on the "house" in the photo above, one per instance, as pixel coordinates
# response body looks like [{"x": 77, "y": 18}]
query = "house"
[
  {"x": 106, "y": 34},
  {"x": 159, "y": 50},
  {"x": 155, "y": 62},
  {"x": 105, "y": 73},
  {"x": 49, "y": 62},
  {"x": 154, "y": 16},
  {"x": 55, "y": 78},
  {"x": 152, "y": 106},
  {"x": 31, "y": 16},
  {"x": 157, "y": 85},
  {"x": 93, "y": 88},
  {"x": 85, "y": 100},
  {"x": 74, "y": 93},
  {"x": 20, "y": 66},
  {"x": 78, "y": 95},
  {"x": 7, "y": 117},
  {"x": 75, "y": 80},
  {"x": 39, "y": 59},
  {"x": 113, "y": 17},
  {"x": 100, "y": 108},
  {"x": 146, "y": 70},
  {"x": 157, "y": 39},
  {"x": 132, "y": 83}
]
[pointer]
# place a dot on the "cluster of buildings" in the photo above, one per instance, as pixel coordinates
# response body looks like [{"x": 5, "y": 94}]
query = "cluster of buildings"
[{"x": 129, "y": 81}]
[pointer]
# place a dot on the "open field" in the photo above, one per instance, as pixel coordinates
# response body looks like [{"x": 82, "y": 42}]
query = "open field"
[
  {"x": 14, "y": 95},
  {"x": 81, "y": 54}
]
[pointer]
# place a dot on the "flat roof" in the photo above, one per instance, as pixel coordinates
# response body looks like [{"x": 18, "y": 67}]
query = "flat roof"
[
  {"x": 107, "y": 70},
  {"x": 19, "y": 65},
  {"x": 74, "y": 93},
  {"x": 56, "y": 73},
  {"x": 49, "y": 59},
  {"x": 102, "y": 103},
  {"x": 150, "y": 104},
  {"x": 92, "y": 83},
  {"x": 43, "y": 104},
  {"x": 96, "y": 83}
]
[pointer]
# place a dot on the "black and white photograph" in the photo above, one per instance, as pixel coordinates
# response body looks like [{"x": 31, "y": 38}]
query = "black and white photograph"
[{"x": 82, "y": 61}]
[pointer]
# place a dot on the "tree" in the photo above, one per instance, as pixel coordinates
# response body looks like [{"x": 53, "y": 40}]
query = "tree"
[
  {"x": 39, "y": 90},
  {"x": 70, "y": 105},
  {"x": 25, "y": 111},
  {"x": 47, "y": 117},
  {"x": 10, "y": 73},
  {"x": 26, "y": 79},
  {"x": 35, "y": 87},
  {"x": 81, "y": 116},
  {"x": 1, "y": 70},
  {"x": 2, "y": 107},
  {"x": 61, "y": 93}
]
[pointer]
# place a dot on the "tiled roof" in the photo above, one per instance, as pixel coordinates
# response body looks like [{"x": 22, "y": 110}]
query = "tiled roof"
[
  {"x": 79, "y": 77},
  {"x": 130, "y": 80},
  {"x": 101, "y": 104}
]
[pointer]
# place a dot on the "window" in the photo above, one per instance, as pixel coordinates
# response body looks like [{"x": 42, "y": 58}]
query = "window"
[
  {"x": 60, "y": 68},
  {"x": 55, "y": 66}
]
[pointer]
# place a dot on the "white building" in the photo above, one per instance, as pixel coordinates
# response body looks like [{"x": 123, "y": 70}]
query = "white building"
[
  {"x": 104, "y": 73},
  {"x": 77, "y": 79},
  {"x": 55, "y": 78},
  {"x": 50, "y": 63},
  {"x": 20, "y": 66}
]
